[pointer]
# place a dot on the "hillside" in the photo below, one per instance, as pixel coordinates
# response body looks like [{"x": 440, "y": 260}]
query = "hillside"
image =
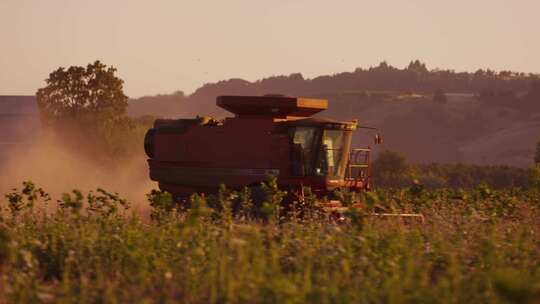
[{"x": 487, "y": 118}]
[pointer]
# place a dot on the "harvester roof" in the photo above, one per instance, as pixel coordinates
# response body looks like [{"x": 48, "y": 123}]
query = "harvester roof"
[
  {"x": 276, "y": 106},
  {"x": 324, "y": 122}
]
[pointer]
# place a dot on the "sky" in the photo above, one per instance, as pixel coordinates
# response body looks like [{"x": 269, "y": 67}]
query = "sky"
[{"x": 163, "y": 46}]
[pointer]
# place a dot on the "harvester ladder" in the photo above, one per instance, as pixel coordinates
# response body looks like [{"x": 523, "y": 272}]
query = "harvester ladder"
[{"x": 359, "y": 161}]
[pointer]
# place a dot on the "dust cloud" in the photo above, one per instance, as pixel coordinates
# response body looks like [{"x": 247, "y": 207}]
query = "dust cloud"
[{"x": 58, "y": 169}]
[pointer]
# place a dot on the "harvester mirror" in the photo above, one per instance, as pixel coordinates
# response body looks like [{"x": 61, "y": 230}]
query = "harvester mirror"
[{"x": 378, "y": 139}]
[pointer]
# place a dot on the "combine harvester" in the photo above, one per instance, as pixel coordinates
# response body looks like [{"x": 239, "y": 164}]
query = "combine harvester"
[{"x": 269, "y": 135}]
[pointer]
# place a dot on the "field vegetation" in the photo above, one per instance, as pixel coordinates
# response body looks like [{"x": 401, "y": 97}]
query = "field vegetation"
[
  {"x": 475, "y": 246},
  {"x": 392, "y": 170}
]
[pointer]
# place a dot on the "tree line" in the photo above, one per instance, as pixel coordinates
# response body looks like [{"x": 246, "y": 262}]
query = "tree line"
[
  {"x": 416, "y": 77},
  {"x": 392, "y": 170}
]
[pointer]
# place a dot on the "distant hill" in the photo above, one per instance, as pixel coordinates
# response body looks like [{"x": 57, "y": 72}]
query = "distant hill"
[
  {"x": 485, "y": 117},
  {"x": 19, "y": 122}
]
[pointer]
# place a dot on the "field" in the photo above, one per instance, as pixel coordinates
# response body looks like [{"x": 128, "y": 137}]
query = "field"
[{"x": 476, "y": 246}]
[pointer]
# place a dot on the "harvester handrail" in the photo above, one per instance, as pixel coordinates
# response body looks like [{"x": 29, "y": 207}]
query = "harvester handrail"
[{"x": 361, "y": 150}]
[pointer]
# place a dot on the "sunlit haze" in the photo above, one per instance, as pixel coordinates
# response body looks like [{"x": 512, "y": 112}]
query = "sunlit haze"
[{"x": 164, "y": 46}]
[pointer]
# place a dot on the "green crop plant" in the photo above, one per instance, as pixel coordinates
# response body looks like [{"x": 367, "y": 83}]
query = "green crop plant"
[{"x": 476, "y": 246}]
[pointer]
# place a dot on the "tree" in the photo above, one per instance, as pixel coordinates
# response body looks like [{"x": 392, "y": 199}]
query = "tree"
[
  {"x": 391, "y": 169},
  {"x": 86, "y": 107},
  {"x": 82, "y": 94},
  {"x": 537, "y": 155},
  {"x": 418, "y": 67},
  {"x": 439, "y": 96}
]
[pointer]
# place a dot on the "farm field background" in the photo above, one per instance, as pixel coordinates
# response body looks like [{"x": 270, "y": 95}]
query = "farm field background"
[{"x": 475, "y": 246}]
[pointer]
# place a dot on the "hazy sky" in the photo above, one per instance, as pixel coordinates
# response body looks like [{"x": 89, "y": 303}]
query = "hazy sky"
[{"x": 162, "y": 46}]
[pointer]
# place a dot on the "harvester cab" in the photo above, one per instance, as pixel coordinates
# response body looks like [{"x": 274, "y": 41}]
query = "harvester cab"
[
  {"x": 271, "y": 134},
  {"x": 321, "y": 148}
]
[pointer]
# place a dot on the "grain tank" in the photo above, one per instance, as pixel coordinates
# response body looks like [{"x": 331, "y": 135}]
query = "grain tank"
[{"x": 268, "y": 135}]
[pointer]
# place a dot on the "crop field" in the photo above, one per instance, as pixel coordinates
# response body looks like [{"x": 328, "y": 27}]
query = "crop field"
[{"x": 475, "y": 246}]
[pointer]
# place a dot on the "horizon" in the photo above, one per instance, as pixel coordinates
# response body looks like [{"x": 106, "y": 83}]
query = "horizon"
[
  {"x": 174, "y": 46},
  {"x": 304, "y": 77}
]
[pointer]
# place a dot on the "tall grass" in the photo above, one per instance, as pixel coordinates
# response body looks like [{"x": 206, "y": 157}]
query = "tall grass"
[{"x": 477, "y": 246}]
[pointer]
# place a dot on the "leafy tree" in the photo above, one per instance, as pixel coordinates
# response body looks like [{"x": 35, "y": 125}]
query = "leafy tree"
[
  {"x": 391, "y": 169},
  {"x": 537, "y": 154},
  {"x": 86, "y": 94},
  {"x": 89, "y": 103},
  {"x": 439, "y": 96},
  {"x": 418, "y": 67},
  {"x": 382, "y": 67}
]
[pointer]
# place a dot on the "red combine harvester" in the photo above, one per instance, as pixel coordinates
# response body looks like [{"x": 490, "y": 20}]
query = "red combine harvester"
[{"x": 269, "y": 135}]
